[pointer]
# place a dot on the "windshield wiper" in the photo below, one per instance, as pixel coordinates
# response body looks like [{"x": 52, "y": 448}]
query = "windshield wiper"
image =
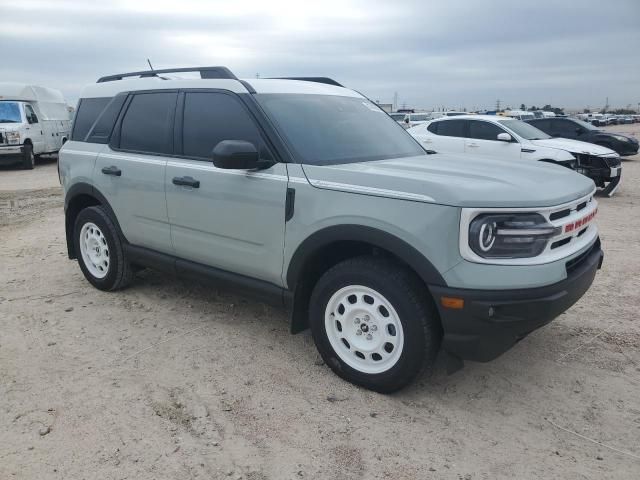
[{"x": 6, "y": 120}]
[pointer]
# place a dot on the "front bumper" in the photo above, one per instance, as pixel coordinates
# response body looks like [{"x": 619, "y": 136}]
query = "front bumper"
[
  {"x": 626, "y": 148},
  {"x": 492, "y": 321},
  {"x": 10, "y": 154}
]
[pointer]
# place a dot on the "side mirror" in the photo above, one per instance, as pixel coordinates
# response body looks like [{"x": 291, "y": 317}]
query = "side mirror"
[
  {"x": 504, "y": 137},
  {"x": 236, "y": 155}
]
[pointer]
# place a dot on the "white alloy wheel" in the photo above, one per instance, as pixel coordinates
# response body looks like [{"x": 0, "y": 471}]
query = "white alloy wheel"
[
  {"x": 94, "y": 250},
  {"x": 364, "y": 329}
]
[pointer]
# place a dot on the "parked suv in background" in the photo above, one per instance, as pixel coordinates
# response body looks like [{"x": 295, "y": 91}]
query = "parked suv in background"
[
  {"x": 493, "y": 136},
  {"x": 307, "y": 194},
  {"x": 586, "y": 132}
]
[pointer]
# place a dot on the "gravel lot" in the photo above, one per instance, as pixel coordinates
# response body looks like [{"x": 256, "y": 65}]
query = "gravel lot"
[{"x": 172, "y": 379}]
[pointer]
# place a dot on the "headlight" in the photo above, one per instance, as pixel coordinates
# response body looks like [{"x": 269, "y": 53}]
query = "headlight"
[
  {"x": 12, "y": 137},
  {"x": 620, "y": 138},
  {"x": 511, "y": 235}
]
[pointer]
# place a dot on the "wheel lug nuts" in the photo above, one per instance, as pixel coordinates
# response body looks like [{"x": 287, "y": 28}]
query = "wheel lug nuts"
[
  {"x": 356, "y": 321},
  {"x": 358, "y": 332},
  {"x": 369, "y": 336},
  {"x": 374, "y": 327}
]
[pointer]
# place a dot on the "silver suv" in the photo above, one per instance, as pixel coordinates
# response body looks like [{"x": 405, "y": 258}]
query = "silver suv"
[{"x": 307, "y": 194}]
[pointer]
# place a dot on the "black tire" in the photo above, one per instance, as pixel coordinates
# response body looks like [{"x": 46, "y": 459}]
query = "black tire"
[
  {"x": 415, "y": 309},
  {"x": 28, "y": 158},
  {"x": 119, "y": 272}
]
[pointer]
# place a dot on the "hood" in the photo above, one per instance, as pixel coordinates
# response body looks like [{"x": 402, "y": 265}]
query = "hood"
[
  {"x": 461, "y": 181},
  {"x": 574, "y": 146}
]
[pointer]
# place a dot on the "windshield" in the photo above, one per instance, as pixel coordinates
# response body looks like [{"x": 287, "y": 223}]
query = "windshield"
[
  {"x": 398, "y": 117},
  {"x": 330, "y": 129},
  {"x": 584, "y": 124},
  {"x": 524, "y": 130},
  {"x": 10, "y": 112},
  {"x": 419, "y": 118}
]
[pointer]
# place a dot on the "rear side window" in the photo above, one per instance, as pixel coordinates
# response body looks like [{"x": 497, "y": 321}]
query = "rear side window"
[
  {"x": 484, "y": 130},
  {"x": 212, "y": 117},
  {"x": 147, "y": 125},
  {"x": 102, "y": 128},
  {"x": 451, "y": 128},
  {"x": 433, "y": 127},
  {"x": 86, "y": 115}
]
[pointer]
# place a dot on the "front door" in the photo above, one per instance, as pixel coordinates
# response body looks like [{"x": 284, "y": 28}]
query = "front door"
[
  {"x": 228, "y": 219},
  {"x": 34, "y": 129},
  {"x": 482, "y": 139}
]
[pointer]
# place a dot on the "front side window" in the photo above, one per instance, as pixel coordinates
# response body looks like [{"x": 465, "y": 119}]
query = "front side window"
[
  {"x": 524, "y": 130},
  {"x": 10, "y": 112},
  {"x": 147, "y": 123},
  {"x": 210, "y": 118},
  {"x": 332, "y": 129},
  {"x": 484, "y": 130},
  {"x": 31, "y": 115},
  {"x": 451, "y": 128}
]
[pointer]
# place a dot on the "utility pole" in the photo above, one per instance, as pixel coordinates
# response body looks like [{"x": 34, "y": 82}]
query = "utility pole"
[
  {"x": 395, "y": 101},
  {"x": 498, "y": 105}
]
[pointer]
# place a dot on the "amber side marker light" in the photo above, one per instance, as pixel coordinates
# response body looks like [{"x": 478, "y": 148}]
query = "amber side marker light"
[{"x": 452, "y": 302}]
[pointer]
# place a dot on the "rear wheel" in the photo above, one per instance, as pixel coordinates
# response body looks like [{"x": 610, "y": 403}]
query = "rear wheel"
[
  {"x": 28, "y": 158},
  {"x": 100, "y": 251},
  {"x": 373, "y": 323}
]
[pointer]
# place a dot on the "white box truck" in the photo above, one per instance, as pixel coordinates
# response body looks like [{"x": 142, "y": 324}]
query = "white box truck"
[{"x": 33, "y": 121}]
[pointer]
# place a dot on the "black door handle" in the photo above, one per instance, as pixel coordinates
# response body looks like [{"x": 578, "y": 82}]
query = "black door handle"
[
  {"x": 112, "y": 170},
  {"x": 186, "y": 181}
]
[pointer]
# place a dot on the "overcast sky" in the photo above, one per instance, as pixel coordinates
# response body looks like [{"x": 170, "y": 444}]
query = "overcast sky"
[{"x": 448, "y": 53}]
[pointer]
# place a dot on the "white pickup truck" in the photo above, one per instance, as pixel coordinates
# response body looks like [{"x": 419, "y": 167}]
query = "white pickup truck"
[{"x": 33, "y": 121}]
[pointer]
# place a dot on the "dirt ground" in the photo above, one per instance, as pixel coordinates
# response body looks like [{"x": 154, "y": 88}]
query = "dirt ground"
[{"x": 172, "y": 379}]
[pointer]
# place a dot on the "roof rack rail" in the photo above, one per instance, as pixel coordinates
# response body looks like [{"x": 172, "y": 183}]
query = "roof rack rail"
[
  {"x": 205, "y": 72},
  {"x": 326, "y": 80}
]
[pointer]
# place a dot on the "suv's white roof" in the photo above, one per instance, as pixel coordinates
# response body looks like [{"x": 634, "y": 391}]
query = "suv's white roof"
[{"x": 261, "y": 85}]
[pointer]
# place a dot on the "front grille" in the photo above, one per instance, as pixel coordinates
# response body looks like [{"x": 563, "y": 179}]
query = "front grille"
[{"x": 591, "y": 161}]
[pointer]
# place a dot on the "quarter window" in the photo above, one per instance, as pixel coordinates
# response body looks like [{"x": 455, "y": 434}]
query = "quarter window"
[
  {"x": 484, "y": 130},
  {"x": 86, "y": 115},
  {"x": 147, "y": 124},
  {"x": 210, "y": 118},
  {"x": 451, "y": 128}
]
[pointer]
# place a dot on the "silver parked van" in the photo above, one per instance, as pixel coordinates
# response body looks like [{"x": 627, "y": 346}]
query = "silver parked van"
[{"x": 308, "y": 195}]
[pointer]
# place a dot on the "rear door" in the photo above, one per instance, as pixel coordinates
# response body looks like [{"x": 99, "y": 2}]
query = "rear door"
[
  {"x": 232, "y": 220},
  {"x": 483, "y": 140},
  {"x": 130, "y": 171},
  {"x": 448, "y": 136}
]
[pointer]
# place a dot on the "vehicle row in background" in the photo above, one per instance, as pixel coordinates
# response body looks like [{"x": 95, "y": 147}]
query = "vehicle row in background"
[
  {"x": 33, "y": 121},
  {"x": 499, "y": 137},
  {"x": 565, "y": 127}
]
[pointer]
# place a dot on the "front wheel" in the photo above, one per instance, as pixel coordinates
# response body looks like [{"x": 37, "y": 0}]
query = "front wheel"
[
  {"x": 373, "y": 323},
  {"x": 28, "y": 158}
]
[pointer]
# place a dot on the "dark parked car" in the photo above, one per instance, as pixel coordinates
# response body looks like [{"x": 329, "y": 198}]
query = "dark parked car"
[{"x": 585, "y": 132}]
